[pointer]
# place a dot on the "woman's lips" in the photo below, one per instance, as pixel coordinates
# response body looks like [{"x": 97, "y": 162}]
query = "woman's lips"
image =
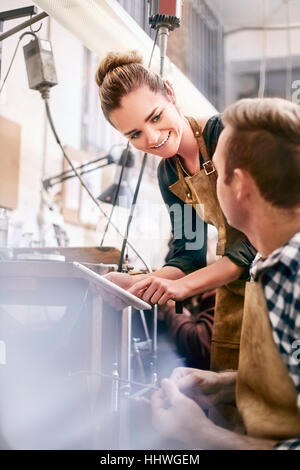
[{"x": 162, "y": 142}]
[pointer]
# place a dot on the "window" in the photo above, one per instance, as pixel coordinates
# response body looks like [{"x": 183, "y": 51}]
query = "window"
[
  {"x": 198, "y": 49},
  {"x": 139, "y": 11},
  {"x": 206, "y": 52}
]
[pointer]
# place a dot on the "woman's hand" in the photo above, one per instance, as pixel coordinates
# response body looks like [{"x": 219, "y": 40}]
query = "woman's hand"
[
  {"x": 122, "y": 280},
  {"x": 206, "y": 388},
  {"x": 157, "y": 290}
]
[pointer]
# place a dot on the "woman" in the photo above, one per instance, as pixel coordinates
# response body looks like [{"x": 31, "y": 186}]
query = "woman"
[{"x": 142, "y": 107}]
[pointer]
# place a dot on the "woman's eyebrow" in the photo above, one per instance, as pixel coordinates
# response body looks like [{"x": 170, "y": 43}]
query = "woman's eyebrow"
[{"x": 146, "y": 120}]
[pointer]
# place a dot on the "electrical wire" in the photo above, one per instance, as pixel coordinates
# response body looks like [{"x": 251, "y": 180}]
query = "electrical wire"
[
  {"x": 138, "y": 183},
  {"x": 152, "y": 52},
  {"x": 131, "y": 212},
  {"x": 45, "y": 93},
  {"x": 14, "y": 56},
  {"x": 125, "y": 159},
  {"x": 116, "y": 194}
]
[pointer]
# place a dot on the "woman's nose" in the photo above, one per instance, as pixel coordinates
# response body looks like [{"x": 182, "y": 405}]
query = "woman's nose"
[{"x": 152, "y": 136}]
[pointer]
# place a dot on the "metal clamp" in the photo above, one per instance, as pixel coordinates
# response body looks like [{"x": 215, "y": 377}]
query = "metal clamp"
[{"x": 210, "y": 169}]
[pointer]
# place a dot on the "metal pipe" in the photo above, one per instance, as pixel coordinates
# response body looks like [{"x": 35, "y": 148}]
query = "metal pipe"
[
  {"x": 115, "y": 397},
  {"x": 112, "y": 377},
  {"x": 163, "y": 34},
  {"x": 154, "y": 378},
  {"x": 145, "y": 325},
  {"x": 23, "y": 25},
  {"x": 129, "y": 335}
]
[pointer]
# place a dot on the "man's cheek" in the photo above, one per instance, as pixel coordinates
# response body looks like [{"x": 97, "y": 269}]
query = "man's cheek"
[
  {"x": 223, "y": 199},
  {"x": 219, "y": 192}
]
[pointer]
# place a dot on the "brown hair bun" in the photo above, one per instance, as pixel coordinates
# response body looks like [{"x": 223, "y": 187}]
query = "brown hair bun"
[
  {"x": 119, "y": 74},
  {"x": 114, "y": 60}
]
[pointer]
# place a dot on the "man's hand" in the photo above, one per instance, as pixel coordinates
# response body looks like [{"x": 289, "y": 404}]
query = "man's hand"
[
  {"x": 174, "y": 415},
  {"x": 206, "y": 388},
  {"x": 157, "y": 290}
]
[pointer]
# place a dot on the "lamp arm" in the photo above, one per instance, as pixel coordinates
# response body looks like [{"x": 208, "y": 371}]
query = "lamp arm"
[{"x": 65, "y": 175}]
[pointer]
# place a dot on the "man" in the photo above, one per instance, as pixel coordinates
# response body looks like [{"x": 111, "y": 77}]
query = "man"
[{"x": 258, "y": 165}]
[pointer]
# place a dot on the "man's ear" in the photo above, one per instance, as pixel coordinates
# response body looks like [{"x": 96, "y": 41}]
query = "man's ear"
[
  {"x": 170, "y": 91},
  {"x": 241, "y": 184}
]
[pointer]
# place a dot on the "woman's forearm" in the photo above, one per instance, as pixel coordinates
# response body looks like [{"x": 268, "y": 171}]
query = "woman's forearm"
[
  {"x": 167, "y": 272},
  {"x": 128, "y": 280},
  {"x": 215, "y": 275}
]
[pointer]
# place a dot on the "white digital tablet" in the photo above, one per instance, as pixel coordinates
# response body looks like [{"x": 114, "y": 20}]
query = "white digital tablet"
[{"x": 114, "y": 289}]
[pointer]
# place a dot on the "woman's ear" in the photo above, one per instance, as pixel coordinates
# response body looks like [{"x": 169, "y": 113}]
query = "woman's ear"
[{"x": 170, "y": 90}]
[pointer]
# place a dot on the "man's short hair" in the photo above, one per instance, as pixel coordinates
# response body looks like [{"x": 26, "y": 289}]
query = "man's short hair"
[{"x": 265, "y": 141}]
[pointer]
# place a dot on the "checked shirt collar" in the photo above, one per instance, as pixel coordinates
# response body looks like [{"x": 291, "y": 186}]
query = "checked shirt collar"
[{"x": 288, "y": 254}]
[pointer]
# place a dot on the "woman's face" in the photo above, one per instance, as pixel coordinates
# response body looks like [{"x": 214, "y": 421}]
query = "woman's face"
[{"x": 150, "y": 121}]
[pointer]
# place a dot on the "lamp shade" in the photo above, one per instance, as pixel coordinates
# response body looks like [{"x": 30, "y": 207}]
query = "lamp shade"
[
  {"x": 124, "y": 198},
  {"x": 120, "y": 195}
]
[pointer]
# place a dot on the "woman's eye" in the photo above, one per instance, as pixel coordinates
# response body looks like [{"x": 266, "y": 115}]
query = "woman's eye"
[
  {"x": 156, "y": 118},
  {"x": 135, "y": 135}
]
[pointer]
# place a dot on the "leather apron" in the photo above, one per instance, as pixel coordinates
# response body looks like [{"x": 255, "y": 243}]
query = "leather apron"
[
  {"x": 265, "y": 394},
  {"x": 200, "y": 191}
]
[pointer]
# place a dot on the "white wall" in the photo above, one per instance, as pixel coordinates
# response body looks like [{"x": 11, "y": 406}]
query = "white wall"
[
  {"x": 249, "y": 46},
  {"x": 110, "y": 28},
  {"x": 40, "y": 154},
  {"x": 103, "y": 25}
]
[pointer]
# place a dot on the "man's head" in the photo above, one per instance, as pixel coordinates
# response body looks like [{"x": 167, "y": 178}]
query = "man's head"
[{"x": 258, "y": 158}]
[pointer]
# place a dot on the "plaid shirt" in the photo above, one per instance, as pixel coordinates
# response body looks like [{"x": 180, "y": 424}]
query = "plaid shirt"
[{"x": 281, "y": 285}]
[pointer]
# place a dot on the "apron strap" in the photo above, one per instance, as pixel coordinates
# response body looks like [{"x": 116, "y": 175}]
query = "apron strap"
[
  {"x": 207, "y": 166},
  {"x": 197, "y": 131}
]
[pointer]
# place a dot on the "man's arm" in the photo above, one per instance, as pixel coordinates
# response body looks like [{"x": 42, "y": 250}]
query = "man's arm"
[
  {"x": 176, "y": 416},
  {"x": 216, "y": 438}
]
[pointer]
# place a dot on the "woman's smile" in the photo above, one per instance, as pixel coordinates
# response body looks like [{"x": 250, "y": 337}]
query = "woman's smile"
[
  {"x": 163, "y": 142},
  {"x": 150, "y": 120}
]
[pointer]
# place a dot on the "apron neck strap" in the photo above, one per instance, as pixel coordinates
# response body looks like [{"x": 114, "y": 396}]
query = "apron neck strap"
[
  {"x": 180, "y": 173},
  {"x": 197, "y": 131}
]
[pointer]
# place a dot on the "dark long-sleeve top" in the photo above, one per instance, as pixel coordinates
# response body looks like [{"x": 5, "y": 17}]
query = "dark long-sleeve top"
[
  {"x": 192, "y": 335},
  {"x": 242, "y": 253}
]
